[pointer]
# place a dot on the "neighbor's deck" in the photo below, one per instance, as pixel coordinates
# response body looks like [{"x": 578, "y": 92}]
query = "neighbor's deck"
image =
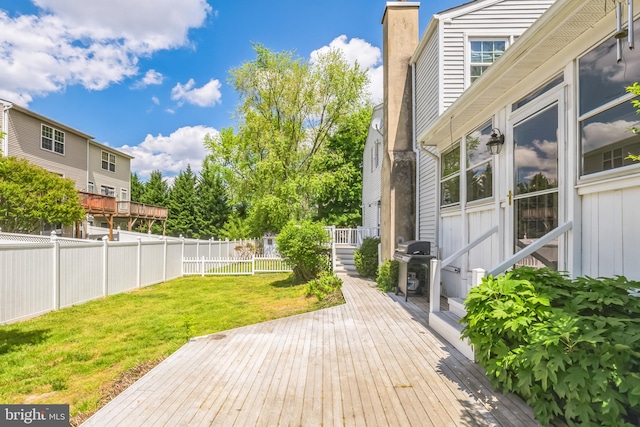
[{"x": 370, "y": 362}]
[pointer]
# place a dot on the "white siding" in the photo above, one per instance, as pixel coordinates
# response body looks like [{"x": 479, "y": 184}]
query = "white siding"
[
  {"x": 610, "y": 234},
  {"x": 427, "y": 85},
  {"x": 427, "y": 199},
  {"x": 371, "y": 177}
]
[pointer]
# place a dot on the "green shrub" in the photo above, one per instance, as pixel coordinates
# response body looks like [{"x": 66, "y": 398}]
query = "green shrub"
[
  {"x": 387, "y": 277},
  {"x": 571, "y": 348},
  {"x": 366, "y": 257},
  {"x": 305, "y": 247},
  {"x": 327, "y": 289}
]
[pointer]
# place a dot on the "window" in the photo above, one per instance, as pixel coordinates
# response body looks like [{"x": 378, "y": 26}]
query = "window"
[
  {"x": 450, "y": 177},
  {"x": 483, "y": 54},
  {"x": 606, "y": 113},
  {"x": 479, "y": 164},
  {"x": 107, "y": 191},
  {"x": 108, "y": 161},
  {"x": 375, "y": 159},
  {"x": 52, "y": 139},
  {"x": 91, "y": 187},
  {"x": 124, "y": 194}
]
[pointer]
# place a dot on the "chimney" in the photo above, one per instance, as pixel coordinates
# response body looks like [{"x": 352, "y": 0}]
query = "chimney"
[{"x": 400, "y": 40}]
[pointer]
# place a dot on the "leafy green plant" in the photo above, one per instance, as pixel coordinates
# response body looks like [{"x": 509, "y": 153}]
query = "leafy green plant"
[
  {"x": 327, "y": 287},
  {"x": 571, "y": 348},
  {"x": 305, "y": 247},
  {"x": 387, "y": 277},
  {"x": 366, "y": 257},
  {"x": 634, "y": 89}
]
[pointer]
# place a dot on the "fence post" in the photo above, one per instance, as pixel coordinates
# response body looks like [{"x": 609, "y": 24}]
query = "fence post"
[
  {"x": 56, "y": 270},
  {"x": 182, "y": 256},
  {"x": 105, "y": 266},
  {"x": 434, "y": 284},
  {"x": 202, "y": 265},
  {"x": 333, "y": 248},
  {"x": 164, "y": 260},
  {"x": 253, "y": 264},
  {"x": 139, "y": 267}
]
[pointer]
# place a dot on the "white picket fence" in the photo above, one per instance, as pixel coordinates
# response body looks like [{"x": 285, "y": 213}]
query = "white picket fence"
[{"x": 40, "y": 274}]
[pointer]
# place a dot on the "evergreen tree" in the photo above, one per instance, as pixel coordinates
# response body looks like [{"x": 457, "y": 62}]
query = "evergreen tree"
[
  {"x": 156, "y": 190},
  {"x": 212, "y": 204},
  {"x": 137, "y": 188},
  {"x": 183, "y": 214}
]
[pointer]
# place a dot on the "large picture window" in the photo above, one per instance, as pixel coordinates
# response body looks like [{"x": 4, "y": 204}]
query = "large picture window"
[
  {"x": 479, "y": 164},
  {"x": 450, "y": 177},
  {"x": 52, "y": 139},
  {"x": 606, "y": 113}
]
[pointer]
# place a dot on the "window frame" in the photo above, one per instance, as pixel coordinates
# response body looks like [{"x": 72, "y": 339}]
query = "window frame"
[
  {"x": 108, "y": 161},
  {"x": 508, "y": 40},
  {"x": 55, "y": 140},
  {"x": 455, "y": 147},
  {"x": 107, "y": 190},
  {"x": 471, "y": 166}
]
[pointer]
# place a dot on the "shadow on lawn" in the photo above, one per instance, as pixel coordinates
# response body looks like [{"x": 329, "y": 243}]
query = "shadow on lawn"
[
  {"x": 12, "y": 338},
  {"x": 286, "y": 283}
]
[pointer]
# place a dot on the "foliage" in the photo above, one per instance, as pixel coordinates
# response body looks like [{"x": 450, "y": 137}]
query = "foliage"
[
  {"x": 635, "y": 89},
  {"x": 30, "y": 197},
  {"x": 387, "y": 278},
  {"x": 183, "y": 213},
  {"x": 571, "y": 348},
  {"x": 73, "y": 355},
  {"x": 366, "y": 257},
  {"x": 137, "y": 188},
  {"x": 326, "y": 288},
  {"x": 339, "y": 196},
  {"x": 288, "y": 109},
  {"x": 212, "y": 207},
  {"x": 235, "y": 229},
  {"x": 305, "y": 247}
]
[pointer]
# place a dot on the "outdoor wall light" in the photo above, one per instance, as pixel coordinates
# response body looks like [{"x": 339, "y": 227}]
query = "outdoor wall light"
[{"x": 495, "y": 142}]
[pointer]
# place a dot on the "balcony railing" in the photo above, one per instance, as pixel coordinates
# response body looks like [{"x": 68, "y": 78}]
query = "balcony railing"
[
  {"x": 108, "y": 205},
  {"x": 98, "y": 203},
  {"x": 140, "y": 210}
]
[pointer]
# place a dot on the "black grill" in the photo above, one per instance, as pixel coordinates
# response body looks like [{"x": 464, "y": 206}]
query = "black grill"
[{"x": 413, "y": 256}]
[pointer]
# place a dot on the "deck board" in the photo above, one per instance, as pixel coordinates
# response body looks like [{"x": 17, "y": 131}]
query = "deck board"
[{"x": 370, "y": 362}]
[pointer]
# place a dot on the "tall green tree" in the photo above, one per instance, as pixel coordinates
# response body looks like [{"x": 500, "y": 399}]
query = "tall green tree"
[
  {"x": 156, "y": 190},
  {"x": 339, "y": 197},
  {"x": 288, "y": 109},
  {"x": 137, "y": 188},
  {"x": 183, "y": 214},
  {"x": 212, "y": 202},
  {"x": 31, "y": 197}
]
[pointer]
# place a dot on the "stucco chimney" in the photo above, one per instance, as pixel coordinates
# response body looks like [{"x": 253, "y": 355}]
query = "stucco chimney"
[{"x": 400, "y": 39}]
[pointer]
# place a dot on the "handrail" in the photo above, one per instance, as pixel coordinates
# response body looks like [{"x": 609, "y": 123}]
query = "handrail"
[
  {"x": 538, "y": 244},
  {"x": 468, "y": 247}
]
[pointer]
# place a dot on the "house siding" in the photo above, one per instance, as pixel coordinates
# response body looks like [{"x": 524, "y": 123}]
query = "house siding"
[
  {"x": 371, "y": 178},
  {"x": 118, "y": 180},
  {"x": 24, "y": 142}
]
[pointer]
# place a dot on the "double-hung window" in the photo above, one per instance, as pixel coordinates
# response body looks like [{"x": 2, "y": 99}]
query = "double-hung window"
[
  {"x": 107, "y": 191},
  {"x": 607, "y": 118},
  {"x": 108, "y": 161},
  {"x": 484, "y": 52},
  {"x": 52, "y": 139}
]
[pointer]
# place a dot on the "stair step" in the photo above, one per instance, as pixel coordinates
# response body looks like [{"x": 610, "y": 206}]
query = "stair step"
[{"x": 446, "y": 323}]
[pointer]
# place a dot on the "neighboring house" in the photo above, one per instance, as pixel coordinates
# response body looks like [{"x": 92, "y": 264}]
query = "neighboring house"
[
  {"x": 101, "y": 174},
  {"x": 561, "y": 182},
  {"x": 371, "y": 171}
]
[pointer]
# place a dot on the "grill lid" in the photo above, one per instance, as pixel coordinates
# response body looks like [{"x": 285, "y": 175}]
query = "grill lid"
[{"x": 414, "y": 247}]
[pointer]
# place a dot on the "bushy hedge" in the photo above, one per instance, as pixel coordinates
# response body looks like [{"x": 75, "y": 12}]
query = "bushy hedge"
[
  {"x": 305, "y": 247},
  {"x": 571, "y": 348},
  {"x": 327, "y": 289},
  {"x": 366, "y": 257},
  {"x": 387, "y": 278}
]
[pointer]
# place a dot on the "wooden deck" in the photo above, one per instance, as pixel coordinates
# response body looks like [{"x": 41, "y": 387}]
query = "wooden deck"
[{"x": 370, "y": 362}]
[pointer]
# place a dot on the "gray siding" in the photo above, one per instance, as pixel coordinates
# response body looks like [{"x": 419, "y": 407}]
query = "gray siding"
[
  {"x": 24, "y": 142},
  {"x": 118, "y": 179},
  {"x": 371, "y": 177}
]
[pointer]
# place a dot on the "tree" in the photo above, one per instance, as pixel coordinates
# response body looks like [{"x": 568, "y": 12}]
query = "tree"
[
  {"x": 156, "y": 190},
  {"x": 339, "y": 198},
  {"x": 31, "y": 197},
  {"x": 212, "y": 202},
  {"x": 137, "y": 188},
  {"x": 288, "y": 109},
  {"x": 182, "y": 216}
]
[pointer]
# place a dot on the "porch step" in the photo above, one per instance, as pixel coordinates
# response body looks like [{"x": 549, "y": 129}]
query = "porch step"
[
  {"x": 446, "y": 323},
  {"x": 344, "y": 259},
  {"x": 456, "y": 306}
]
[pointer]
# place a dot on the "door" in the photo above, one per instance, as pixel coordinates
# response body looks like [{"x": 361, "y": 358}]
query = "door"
[{"x": 535, "y": 192}]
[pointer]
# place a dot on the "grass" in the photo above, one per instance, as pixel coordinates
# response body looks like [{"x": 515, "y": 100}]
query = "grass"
[{"x": 75, "y": 355}]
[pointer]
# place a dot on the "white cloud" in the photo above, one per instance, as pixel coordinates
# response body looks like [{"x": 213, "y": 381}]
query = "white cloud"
[
  {"x": 92, "y": 43},
  {"x": 170, "y": 154},
  {"x": 365, "y": 54},
  {"x": 155, "y": 100},
  {"x": 152, "y": 77},
  {"x": 205, "y": 96}
]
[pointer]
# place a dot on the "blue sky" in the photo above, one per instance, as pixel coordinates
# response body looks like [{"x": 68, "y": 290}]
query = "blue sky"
[{"x": 149, "y": 77}]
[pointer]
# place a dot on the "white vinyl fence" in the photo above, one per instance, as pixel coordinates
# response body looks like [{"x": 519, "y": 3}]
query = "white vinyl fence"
[{"x": 40, "y": 274}]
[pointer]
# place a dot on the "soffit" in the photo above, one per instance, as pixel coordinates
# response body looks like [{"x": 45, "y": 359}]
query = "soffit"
[{"x": 564, "y": 22}]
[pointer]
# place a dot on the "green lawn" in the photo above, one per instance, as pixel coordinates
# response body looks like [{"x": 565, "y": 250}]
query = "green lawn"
[{"x": 74, "y": 355}]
